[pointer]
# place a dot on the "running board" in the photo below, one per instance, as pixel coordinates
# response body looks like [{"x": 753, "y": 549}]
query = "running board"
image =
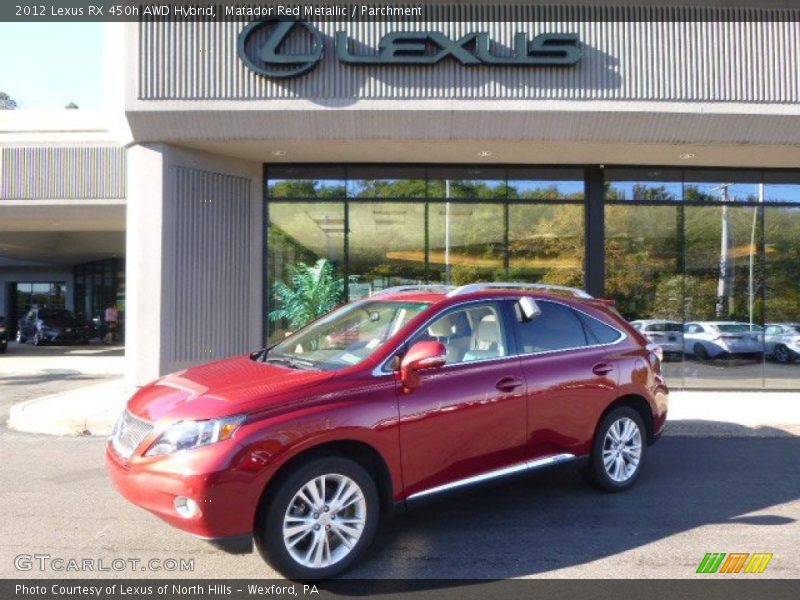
[{"x": 529, "y": 465}]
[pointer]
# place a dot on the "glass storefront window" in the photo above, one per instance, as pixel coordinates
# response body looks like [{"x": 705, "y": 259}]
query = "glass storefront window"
[
  {"x": 467, "y": 183},
  {"x": 386, "y": 246},
  {"x": 661, "y": 185},
  {"x": 545, "y": 184},
  {"x": 713, "y": 251},
  {"x": 302, "y": 232},
  {"x": 395, "y": 182},
  {"x": 467, "y": 242},
  {"x": 546, "y": 243}
]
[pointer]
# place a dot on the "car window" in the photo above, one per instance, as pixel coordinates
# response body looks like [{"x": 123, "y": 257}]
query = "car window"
[
  {"x": 598, "y": 332},
  {"x": 774, "y": 329},
  {"x": 469, "y": 334},
  {"x": 556, "y": 328},
  {"x": 694, "y": 328},
  {"x": 664, "y": 326}
]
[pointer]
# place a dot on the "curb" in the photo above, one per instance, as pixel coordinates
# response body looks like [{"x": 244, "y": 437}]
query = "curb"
[{"x": 90, "y": 410}]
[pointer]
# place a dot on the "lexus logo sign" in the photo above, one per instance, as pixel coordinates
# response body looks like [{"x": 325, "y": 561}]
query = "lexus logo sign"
[{"x": 284, "y": 49}]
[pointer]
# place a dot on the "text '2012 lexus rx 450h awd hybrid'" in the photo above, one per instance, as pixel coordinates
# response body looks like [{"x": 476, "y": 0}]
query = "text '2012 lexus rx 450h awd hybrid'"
[{"x": 411, "y": 392}]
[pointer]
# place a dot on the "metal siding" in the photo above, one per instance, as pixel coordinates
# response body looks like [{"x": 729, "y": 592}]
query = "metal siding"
[
  {"x": 211, "y": 266},
  {"x": 630, "y": 53},
  {"x": 39, "y": 172}
]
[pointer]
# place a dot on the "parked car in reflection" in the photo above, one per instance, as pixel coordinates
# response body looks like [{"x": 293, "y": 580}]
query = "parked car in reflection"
[
  {"x": 666, "y": 334},
  {"x": 3, "y": 335},
  {"x": 51, "y": 325},
  {"x": 782, "y": 341},
  {"x": 723, "y": 339}
]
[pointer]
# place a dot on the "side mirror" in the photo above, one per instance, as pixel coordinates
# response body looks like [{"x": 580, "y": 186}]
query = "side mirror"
[
  {"x": 528, "y": 308},
  {"x": 421, "y": 356}
]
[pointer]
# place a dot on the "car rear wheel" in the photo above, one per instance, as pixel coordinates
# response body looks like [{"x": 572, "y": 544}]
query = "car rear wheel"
[
  {"x": 782, "y": 354},
  {"x": 618, "y": 450},
  {"x": 700, "y": 352},
  {"x": 319, "y": 520}
]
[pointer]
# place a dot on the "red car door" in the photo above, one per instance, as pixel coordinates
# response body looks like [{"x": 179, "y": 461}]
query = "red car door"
[
  {"x": 571, "y": 378},
  {"x": 466, "y": 419}
]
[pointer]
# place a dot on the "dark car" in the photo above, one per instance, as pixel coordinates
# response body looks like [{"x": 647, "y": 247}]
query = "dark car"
[
  {"x": 3, "y": 335},
  {"x": 398, "y": 397},
  {"x": 52, "y": 325}
]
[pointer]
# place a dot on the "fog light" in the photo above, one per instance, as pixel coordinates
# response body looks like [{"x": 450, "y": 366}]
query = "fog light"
[{"x": 186, "y": 507}]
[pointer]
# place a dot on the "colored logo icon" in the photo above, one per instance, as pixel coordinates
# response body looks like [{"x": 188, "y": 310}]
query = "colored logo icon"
[
  {"x": 734, "y": 562},
  {"x": 263, "y": 48}
]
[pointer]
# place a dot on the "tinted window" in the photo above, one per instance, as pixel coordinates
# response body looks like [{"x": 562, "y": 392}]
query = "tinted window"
[
  {"x": 55, "y": 314},
  {"x": 738, "y": 328},
  {"x": 598, "y": 332},
  {"x": 664, "y": 327},
  {"x": 556, "y": 328}
]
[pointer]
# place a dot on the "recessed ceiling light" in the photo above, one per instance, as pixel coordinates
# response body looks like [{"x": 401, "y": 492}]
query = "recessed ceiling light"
[
  {"x": 279, "y": 153},
  {"x": 485, "y": 153},
  {"x": 687, "y": 156}
]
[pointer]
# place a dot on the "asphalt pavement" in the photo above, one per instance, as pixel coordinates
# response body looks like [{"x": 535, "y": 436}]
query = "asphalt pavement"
[{"x": 696, "y": 495}]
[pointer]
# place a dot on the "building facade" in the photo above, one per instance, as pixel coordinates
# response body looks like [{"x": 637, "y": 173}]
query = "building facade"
[{"x": 649, "y": 153}]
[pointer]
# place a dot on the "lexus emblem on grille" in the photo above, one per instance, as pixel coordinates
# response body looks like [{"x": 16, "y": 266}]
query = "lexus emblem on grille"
[{"x": 261, "y": 48}]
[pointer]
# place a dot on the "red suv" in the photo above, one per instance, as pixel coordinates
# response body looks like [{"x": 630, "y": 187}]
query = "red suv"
[{"x": 400, "y": 396}]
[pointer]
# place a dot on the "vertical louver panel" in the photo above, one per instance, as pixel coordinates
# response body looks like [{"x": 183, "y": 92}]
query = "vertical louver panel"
[
  {"x": 630, "y": 53},
  {"x": 62, "y": 172},
  {"x": 210, "y": 266}
]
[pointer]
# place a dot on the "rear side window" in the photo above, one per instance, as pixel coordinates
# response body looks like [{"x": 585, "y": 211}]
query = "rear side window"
[
  {"x": 556, "y": 328},
  {"x": 598, "y": 332}
]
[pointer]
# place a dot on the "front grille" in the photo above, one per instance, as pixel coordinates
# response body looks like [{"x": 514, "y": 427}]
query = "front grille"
[{"x": 129, "y": 432}]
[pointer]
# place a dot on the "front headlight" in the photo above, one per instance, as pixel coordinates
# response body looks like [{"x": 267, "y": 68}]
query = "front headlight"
[
  {"x": 186, "y": 435},
  {"x": 2, "y": 329}
]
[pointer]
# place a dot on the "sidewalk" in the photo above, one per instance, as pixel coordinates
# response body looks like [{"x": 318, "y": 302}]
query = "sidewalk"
[{"x": 93, "y": 410}]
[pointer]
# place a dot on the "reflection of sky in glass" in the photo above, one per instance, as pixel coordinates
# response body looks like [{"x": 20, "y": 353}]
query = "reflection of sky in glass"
[
  {"x": 736, "y": 192},
  {"x": 573, "y": 189},
  {"x": 645, "y": 190},
  {"x": 782, "y": 192}
]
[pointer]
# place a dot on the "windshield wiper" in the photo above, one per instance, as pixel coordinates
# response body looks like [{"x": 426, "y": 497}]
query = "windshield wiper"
[{"x": 292, "y": 363}]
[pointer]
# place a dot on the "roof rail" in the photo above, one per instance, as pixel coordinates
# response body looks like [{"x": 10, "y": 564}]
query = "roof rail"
[
  {"x": 516, "y": 285},
  {"x": 399, "y": 289}
]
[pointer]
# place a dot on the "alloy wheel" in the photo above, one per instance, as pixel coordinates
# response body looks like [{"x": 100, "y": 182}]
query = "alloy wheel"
[
  {"x": 622, "y": 449},
  {"x": 324, "y": 521},
  {"x": 782, "y": 354}
]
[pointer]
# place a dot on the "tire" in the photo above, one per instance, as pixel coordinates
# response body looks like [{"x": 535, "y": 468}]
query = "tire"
[
  {"x": 700, "y": 352},
  {"x": 295, "y": 557},
  {"x": 37, "y": 339},
  {"x": 782, "y": 354},
  {"x": 617, "y": 477},
  {"x": 3, "y": 347},
  {"x": 20, "y": 338}
]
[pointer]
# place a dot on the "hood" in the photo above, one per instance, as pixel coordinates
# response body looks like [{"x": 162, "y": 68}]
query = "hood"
[{"x": 221, "y": 388}]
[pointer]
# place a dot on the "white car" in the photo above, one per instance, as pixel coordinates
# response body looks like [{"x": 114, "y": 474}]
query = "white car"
[
  {"x": 667, "y": 334},
  {"x": 782, "y": 341},
  {"x": 721, "y": 339}
]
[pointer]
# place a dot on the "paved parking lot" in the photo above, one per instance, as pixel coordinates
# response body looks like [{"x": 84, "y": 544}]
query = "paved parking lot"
[{"x": 697, "y": 495}]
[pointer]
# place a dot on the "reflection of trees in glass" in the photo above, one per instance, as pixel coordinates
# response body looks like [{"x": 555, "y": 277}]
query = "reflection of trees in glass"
[
  {"x": 782, "y": 263},
  {"x": 314, "y": 291},
  {"x": 640, "y": 191},
  {"x": 306, "y": 188}
]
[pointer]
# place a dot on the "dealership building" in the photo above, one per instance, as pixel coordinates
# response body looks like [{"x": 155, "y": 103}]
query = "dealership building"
[{"x": 647, "y": 152}]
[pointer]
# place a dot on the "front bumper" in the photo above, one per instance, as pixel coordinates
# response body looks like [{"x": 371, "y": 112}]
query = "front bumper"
[{"x": 227, "y": 496}]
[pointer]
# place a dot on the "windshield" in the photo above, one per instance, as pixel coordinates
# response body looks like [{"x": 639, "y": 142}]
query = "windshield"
[
  {"x": 346, "y": 336},
  {"x": 55, "y": 314}
]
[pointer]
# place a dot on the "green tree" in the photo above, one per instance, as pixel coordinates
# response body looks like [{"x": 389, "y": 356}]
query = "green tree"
[
  {"x": 312, "y": 292},
  {"x": 71, "y": 106},
  {"x": 6, "y": 102}
]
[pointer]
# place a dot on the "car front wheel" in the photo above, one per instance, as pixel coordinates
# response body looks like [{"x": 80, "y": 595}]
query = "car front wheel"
[
  {"x": 319, "y": 520},
  {"x": 618, "y": 450}
]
